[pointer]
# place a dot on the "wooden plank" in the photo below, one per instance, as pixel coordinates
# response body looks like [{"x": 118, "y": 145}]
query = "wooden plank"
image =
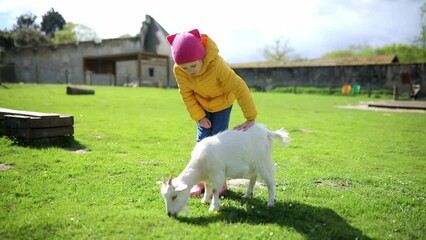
[
  {"x": 18, "y": 121},
  {"x": 6, "y": 111},
  {"x": 39, "y": 132}
]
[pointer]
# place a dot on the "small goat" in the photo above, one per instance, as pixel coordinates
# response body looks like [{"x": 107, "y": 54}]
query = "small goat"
[{"x": 229, "y": 154}]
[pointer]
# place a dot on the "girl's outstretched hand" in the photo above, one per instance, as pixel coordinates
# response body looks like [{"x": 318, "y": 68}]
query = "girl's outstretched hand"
[{"x": 244, "y": 126}]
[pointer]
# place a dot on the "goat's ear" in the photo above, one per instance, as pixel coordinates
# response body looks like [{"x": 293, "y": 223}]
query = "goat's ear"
[
  {"x": 180, "y": 187},
  {"x": 171, "y": 178}
]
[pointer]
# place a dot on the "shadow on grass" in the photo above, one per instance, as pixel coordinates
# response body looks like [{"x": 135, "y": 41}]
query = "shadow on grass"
[
  {"x": 310, "y": 221},
  {"x": 61, "y": 142}
]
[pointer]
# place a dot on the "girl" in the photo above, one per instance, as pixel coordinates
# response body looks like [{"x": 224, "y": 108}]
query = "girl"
[{"x": 208, "y": 87}]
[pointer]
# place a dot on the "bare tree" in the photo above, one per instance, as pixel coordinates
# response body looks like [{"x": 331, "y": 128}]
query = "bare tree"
[{"x": 279, "y": 51}]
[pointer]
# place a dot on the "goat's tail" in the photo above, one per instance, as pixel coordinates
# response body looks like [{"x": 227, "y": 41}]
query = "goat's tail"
[{"x": 282, "y": 135}]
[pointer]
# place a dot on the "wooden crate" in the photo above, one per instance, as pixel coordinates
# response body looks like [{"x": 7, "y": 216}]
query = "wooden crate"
[{"x": 35, "y": 125}]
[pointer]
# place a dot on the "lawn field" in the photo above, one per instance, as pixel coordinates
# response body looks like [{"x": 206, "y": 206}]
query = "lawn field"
[{"x": 347, "y": 174}]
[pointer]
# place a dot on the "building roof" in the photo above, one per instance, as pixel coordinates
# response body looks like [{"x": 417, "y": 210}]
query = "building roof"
[{"x": 340, "y": 61}]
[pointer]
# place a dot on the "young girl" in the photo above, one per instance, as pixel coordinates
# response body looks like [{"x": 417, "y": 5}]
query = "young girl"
[{"x": 208, "y": 87}]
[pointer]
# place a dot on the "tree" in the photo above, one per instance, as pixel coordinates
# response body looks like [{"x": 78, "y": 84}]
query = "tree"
[
  {"x": 278, "y": 52},
  {"x": 353, "y": 51},
  {"x": 405, "y": 53},
  {"x": 362, "y": 49},
  {"x": 29, "y": 37},
  {"x": 66, "y": 35},
  {"x": 84, "y": 33},
  {"x": 52, "y": 21},
  {"x": 421, "y": 39},
  {"x": 339, "y": 53},
  {"x": 75, "y": 32},
  {"x": 26, "y": 20},
  {"x": 6, "y": 40},
  {"x": 26, "y": 32}
]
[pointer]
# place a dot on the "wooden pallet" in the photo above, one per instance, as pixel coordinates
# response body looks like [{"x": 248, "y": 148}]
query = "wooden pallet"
[{"x": 35, "y": 125}]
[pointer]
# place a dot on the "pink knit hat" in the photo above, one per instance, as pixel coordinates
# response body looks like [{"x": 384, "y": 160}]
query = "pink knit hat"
[{"x": 186, "y": 47}]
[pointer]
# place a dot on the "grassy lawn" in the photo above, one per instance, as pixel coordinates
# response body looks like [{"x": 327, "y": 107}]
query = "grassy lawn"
[{"x": 348, "y": 174}]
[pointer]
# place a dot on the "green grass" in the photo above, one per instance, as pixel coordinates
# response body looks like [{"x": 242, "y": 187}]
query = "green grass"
[{"x": 347, "y": 174}]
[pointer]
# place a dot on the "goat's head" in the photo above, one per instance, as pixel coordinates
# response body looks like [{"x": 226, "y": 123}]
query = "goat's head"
[{"x": 175, "y": 194}]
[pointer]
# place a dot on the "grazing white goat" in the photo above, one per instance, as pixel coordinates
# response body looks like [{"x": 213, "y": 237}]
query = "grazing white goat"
[{"x": 229, "y": 154}]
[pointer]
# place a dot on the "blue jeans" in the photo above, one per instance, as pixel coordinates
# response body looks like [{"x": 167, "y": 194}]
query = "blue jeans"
[{"x": 219, "y": 120}]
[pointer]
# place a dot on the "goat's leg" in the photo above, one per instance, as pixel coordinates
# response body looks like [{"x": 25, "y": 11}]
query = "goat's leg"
[
  {"x": 207, "y": 192},
  {"x": 270, "y": 183},
  {"x": 214, "y": 205},
  {"x": 217, "y": 185},
  {"x": 269, "y": 177},
  {"x": 250, "y": 188},
  {"x": 271, "y": 192}
]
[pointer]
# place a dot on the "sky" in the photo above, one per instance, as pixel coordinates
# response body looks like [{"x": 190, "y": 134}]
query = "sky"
[{"x": 242, "y": 29}]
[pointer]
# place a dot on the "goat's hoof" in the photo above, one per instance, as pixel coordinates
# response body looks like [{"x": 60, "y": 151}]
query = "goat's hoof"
[
  {"x": 271, "y": 204},
  {"x": 213, "y": 209},
  {"x": 247, "y": 196}
]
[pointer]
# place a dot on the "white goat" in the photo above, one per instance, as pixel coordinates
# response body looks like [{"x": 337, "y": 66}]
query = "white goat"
[{"x": 229, "y": 154}]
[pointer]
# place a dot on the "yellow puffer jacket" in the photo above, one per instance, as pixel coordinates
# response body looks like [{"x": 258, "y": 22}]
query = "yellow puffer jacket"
[{"x": 215, "y": 87}]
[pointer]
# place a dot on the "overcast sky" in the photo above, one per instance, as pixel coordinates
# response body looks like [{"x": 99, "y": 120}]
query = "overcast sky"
[{"x": 242, "y": 28}]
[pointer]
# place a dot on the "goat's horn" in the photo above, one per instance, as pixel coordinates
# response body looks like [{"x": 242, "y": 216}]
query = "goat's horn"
[
  {"x": 170, "y": 179},
  {"x": 164, "y": 180}
]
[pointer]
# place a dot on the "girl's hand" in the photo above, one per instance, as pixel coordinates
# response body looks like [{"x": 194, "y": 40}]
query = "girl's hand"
[
  {"x": 205, "y": 123},
  {"x": 245, "y": 125}
]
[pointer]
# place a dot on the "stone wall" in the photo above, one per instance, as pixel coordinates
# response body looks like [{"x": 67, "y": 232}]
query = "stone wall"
[
  {"x": 376, "y": 76},
  {"x": 63, "y": 64}
]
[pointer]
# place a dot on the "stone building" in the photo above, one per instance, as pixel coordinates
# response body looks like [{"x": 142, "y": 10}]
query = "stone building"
[{"x": 141, "y": 60}]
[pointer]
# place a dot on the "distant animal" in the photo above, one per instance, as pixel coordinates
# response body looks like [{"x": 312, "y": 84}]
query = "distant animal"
[{"x": 229, "y": 154}]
